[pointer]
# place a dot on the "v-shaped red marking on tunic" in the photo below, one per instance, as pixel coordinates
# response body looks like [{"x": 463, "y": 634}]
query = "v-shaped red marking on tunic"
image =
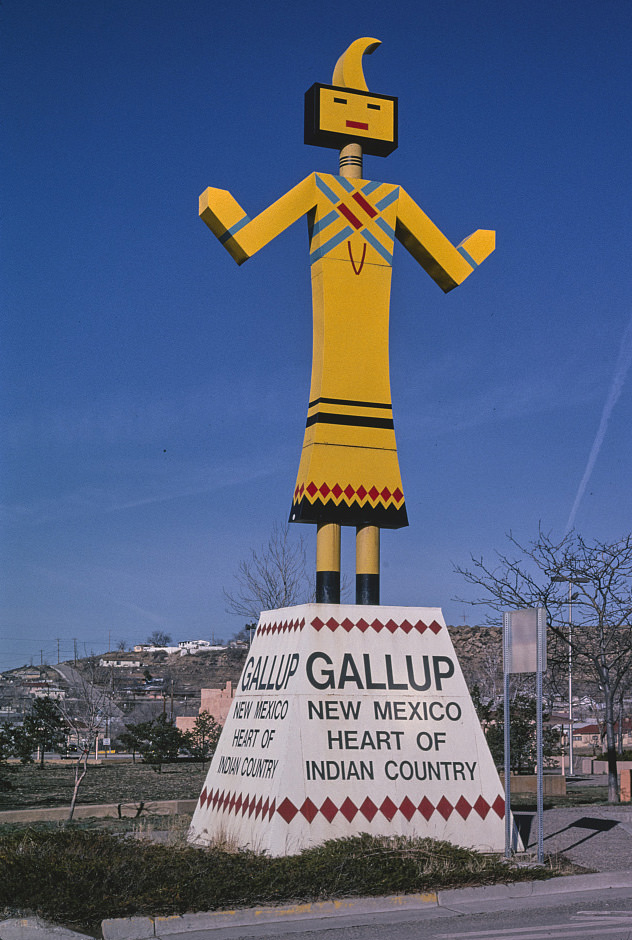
[{"x": 357, "y": 270}]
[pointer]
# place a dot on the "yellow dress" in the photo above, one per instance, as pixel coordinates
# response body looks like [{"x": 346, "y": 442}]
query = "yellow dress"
[{"x": 349, "y": 472}]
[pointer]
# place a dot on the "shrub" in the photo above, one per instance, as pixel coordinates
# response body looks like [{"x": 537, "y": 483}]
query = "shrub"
[{"x": 78, "y": 878}]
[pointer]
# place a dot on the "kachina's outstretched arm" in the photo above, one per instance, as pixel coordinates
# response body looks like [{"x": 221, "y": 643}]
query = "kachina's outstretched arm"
[
  {"x": 447, "y": 265},
  {"x": 242, "y": 236}
]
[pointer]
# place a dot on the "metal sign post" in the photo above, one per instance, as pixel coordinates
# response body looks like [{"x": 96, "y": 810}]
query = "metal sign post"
[
  {"x": 524, "y": 650},
  {"x": 507, "y": 748}
]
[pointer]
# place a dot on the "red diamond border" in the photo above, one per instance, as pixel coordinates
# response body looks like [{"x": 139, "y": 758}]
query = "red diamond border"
[{"x": 227, "y": 802}]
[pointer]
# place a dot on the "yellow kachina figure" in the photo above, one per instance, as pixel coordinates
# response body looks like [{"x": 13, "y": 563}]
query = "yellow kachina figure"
[{"x": 349, "y": 472}]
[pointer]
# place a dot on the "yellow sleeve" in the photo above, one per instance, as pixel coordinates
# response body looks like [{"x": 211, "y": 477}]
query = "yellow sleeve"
[
  {"x": 242, "y": 236},
  {"x": 447, "y": 266}
]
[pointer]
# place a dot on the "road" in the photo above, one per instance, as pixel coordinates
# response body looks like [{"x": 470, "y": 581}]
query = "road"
[{"x": 606, "y": 914}]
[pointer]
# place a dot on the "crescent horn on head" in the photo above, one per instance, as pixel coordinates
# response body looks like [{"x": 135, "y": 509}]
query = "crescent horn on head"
[{"x": 348, "y": 71}]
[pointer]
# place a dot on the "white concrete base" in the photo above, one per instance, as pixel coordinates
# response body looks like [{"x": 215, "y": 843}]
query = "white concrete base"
[{"x": 351, "y": 719}]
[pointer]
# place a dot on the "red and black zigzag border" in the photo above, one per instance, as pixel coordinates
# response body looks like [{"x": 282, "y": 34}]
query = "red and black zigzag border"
[{"x": 326, "y": 510}]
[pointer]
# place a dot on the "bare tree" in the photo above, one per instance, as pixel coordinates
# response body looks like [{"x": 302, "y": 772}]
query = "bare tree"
[
  {"x": 159, "y": 638},
  {"x": 85, "y": 713},
  {"x": 602, "y": 609},
  {"x": 275, "y": 576}
]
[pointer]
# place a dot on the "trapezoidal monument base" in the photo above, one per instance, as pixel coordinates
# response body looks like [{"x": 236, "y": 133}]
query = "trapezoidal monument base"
[{"x": 351, "y": 719}]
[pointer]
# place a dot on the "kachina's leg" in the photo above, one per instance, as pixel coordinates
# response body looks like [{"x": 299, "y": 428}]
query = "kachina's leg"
[
  {"x": 367, "y": 564},
  {"x": 328, "y": 563}
]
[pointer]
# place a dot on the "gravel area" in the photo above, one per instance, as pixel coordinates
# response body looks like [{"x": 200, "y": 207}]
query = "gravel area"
[{"x": 598, "y": 838}]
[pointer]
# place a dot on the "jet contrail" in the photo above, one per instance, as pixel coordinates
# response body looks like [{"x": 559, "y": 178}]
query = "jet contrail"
[{"x": 618, "y": 380}]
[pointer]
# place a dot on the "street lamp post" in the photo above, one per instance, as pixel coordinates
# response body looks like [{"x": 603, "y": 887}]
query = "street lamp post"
[{"x": 571, "y": 579}]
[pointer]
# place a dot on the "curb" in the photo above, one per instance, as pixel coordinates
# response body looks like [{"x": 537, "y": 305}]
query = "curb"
[
  {"x": 567, "y": 884},
  {"x": 33, "y": 928},
  {"x": 145, "y": 928},
  {"x": 148, "y": 928},
  {"x": 456, "y": 899}
]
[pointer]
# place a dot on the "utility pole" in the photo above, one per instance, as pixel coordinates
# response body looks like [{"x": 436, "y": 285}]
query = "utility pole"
[{"x": 571, "y": 579}]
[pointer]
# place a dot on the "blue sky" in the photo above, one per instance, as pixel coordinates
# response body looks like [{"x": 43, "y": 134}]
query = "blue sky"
[{"x": 154, "y": 394}]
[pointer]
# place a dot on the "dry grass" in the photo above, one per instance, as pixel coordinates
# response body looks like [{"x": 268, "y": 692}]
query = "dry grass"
[{"x": 107, "y": 782}]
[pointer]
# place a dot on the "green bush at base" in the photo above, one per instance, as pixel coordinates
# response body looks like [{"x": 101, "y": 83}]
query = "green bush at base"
[{"x": 78, "y": 878}]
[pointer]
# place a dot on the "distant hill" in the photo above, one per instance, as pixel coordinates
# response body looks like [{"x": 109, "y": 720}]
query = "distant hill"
[
  {"x": 172, "y": 682},
  {"x": 479, "y": 650}
]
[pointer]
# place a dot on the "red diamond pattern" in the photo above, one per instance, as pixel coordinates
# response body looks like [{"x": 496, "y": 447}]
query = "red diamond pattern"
[
  {"x": 284, "y": 626},
  {"x": 445, "y": 807},
  {"x": 368, "y": 809},
  {"x": 287, "y": 810},
  {"x": 362, "y": 625},
  {"x": 463, "y": 807},
  {"x": 233, "y": 803},
  {"x": 309, "y": 810},
  {"x": 388, "y": 808},
  {"x": 426, "y": 808},
  {"x": 348, "y": 809},
  {"x": 499, "y": 807},
  {"x": 329, "y": 810},
  {"x": 408, "y": 808},
  {"x": 349, "y": 491}
]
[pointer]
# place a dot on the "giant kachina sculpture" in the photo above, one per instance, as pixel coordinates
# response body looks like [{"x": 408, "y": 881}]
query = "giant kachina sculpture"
[
  {"x": 350, "y": 718},
  {"x": 349, "y": 473}
]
